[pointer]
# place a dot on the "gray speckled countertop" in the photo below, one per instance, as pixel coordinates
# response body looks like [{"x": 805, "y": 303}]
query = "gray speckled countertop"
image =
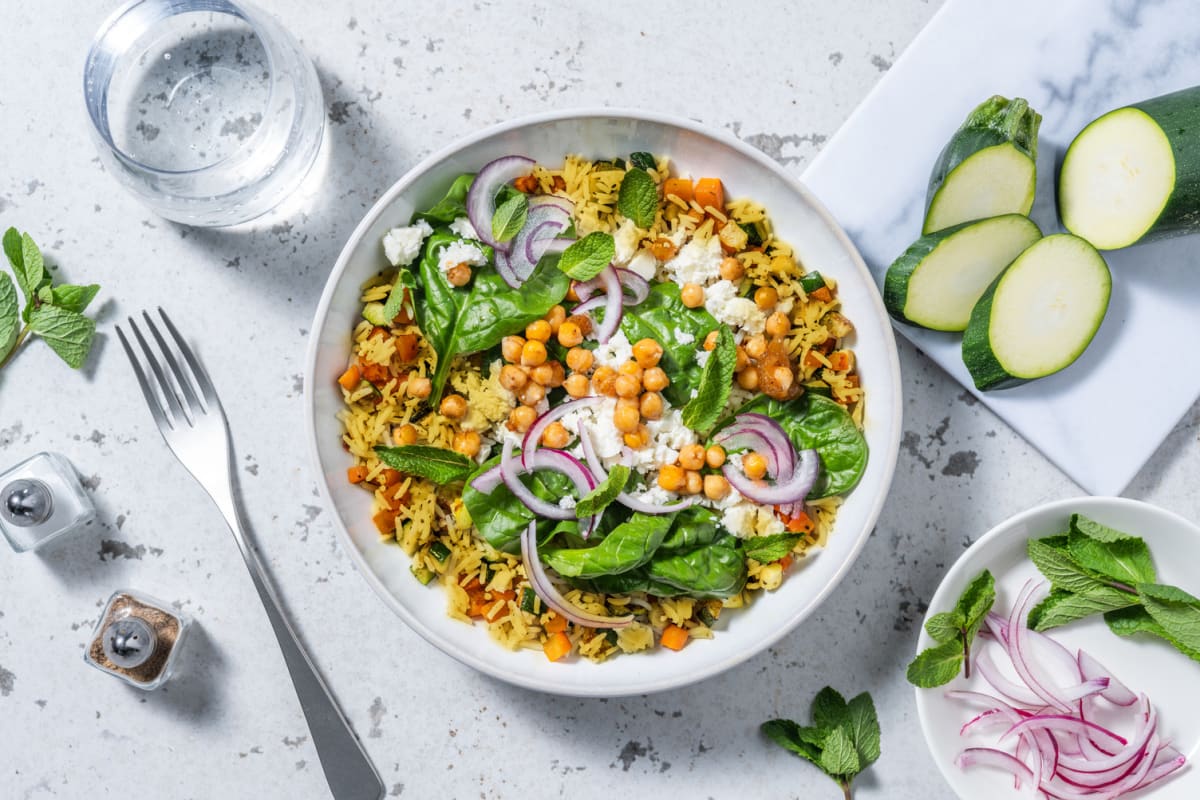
[{"x": 401, "y": 79}]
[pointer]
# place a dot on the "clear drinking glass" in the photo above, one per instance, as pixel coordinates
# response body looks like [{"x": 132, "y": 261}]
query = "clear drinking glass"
[{"x": 207, "y": 111}]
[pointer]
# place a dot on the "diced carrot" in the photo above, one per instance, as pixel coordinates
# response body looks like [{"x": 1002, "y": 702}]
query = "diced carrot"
[
  {"x": 674, "y": 637},
  {"x": 663, "y": 249},
  {"x": 823, "y": 294},
  {"x": 526, "y": 184},
  {"x": 385, "y": 521},
  {"x": 785, "y": 562},
  {"x": 378, "y": 332},
  {"x": 356, "y": 474},
  {"x": 406, "y": 346},
  {"x": 496, "y": 606},
  {"x": 390, "y": 477},
  {"x": 404, "y": 317},
  {"x": 556, "y": 624},
  {"x": 680, "y": 187},
  {"x": 800, "y": 522},
  {"x": 710, "y": 192},
  {"x": 350, "y": 377},
  {"x": 377, "y": 374},
  {"x": 557, "y": 646},
  {"x": 811, "y": 361},
  {"x": 841, "y": 360},
  {"x": 558, "y": 183}
]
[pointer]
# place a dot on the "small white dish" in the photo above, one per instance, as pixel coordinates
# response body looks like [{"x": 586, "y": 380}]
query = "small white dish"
[
  {"x": 798, "y": 218},
  {"x": 1167, "y": 677}
]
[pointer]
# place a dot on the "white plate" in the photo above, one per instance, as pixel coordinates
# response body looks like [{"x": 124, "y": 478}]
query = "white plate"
[
  {"x": 798, "y": 218},
  {"x": 1073, "y": 60},
  {"x": 1169, "y": 678}
]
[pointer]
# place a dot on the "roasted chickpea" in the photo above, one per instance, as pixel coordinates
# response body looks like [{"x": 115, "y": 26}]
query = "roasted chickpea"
[
  {"x": 467, "y": 443},
  {"x": 765, "y": 297},
  {"x": 569, "y": 334},
  {"x": 663, "y": 249},
  {"x": 510, "y": 348},
  {"x": 783, "y": 379},
  {"x": 583, "y": 321},
  {"x": 459, "y": 275},
  {"x": 404, "y": 434},
  {"x": 627, "y": 386},
  {"x": 743, "y": 359},
  {"x": 692, "y": 295},
  {"x": 714, "y": 456},
  {"x": 556, "y": 316},
  {"x": 716, "y": 487},
  {"x": 778, "y": 324},
  {"x": 710, "y": 341},
  {"x": 603, "y": 379},
  {"x": 694, "y": 482},
  {"x": 691, "y": 456},
  {"x": 638, "y": 438},
  {"x": 756, "y": 346},
  {"x": 748, "y": 379},
  {"x": 557, "y": 375},
  {"x": 532, "y": 394},
  {"x": 538, "y": 330},
  {"x": 651, "y": 405},
  {"x": 732, "y": 269},
  {"x": 629, "y": 402},
  {"x": 655, "y": 380},
  {"x": 556, "y": 436},
  {"x": 513, "y": 377},
  {"x": 420, "y": 387},
  {"x": 647, "y": 352},
  {"x": 754, "y": 465},
  {"x": 631, "y": 368},
  {"x": 626, "y": 419},
  {"x": 578, "y": 359},
  {"x": 542, "y": 373},
  {"x": 521, "y": 418},
  {"x": 533, "y": 353},
  {"x": 454, "y": 406},
  {"x": 671, "y": 478},
  {"x": 573, "y": 295},
  {"x": 577, "y": 385}
]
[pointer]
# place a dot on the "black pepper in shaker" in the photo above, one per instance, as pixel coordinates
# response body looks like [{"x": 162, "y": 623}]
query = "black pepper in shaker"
[{"x": 137, "y": 639}]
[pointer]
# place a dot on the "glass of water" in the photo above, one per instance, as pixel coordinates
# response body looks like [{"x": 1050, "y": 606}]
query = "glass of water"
[{"x": 207, "y": 111}]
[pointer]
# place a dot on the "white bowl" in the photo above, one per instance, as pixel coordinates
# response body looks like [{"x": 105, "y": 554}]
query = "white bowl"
[
  {"x": 798, "y": 218},
  {"x": 1168, "y": 677}
]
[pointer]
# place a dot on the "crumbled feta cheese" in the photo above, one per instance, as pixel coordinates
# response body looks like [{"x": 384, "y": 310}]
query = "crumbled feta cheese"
[
  {"x": 460, "y": 253},
  {"x": 401, "y": 246},
  {"x": 463, "y": 227},
  {"x": 643, "y": 264},
  {"x": 656, "y": 495},
  {"x": 683, "y": 337},
  {"x": 722, "y": 301},
  {"x": 696, "y": 262},
  {"x": 746, "y": 519},
  {"x": 615, "y": 353},
  {"x": 567, "y": 502},
  {"x": 668, "y": 435},
  {"x": 626, "y": 241},
  {"x": 702, "y": 357}
]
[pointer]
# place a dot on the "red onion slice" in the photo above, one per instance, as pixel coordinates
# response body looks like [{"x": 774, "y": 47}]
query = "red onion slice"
[
  {"x": 543, "y": 225},
  {"x": 614, "y": 298},
  {"x": 510, "y": 471},
  {"x": 550, "y": 595},
  {"x": 533, "y": 437},
  {"x": 791, "y": 490},
  {"x": 761, "y": 433},
  {"x": 1014, "y": 692},
  {"x": 1030, "y": 670},
  {"x": 486, "y": 481},
  {"x": 481, "y": 197},
  {"x": 1117, "y": 692},
  {"x": 991, "y": 757}
]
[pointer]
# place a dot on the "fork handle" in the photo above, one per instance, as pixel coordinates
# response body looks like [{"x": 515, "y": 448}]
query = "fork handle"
[{"x": 348, "y": 770}]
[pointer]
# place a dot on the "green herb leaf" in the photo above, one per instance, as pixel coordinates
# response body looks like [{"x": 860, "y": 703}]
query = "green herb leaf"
[
  {"x": 400, "y": 298},
  {"x": 1175, "y": 610},
  {"x": 1109, "y": 552},
  {"x": 945, "y": 626},
  {"x": 510, "y": 217},
  {"x": 804, "y": 742},
  {"x": 72, "y": 298},
  {"x": 586, "y": 258},
  {"x": 452, "y": 206},
  {"x": 27, "y": 264},
  {"x": 765, "y": 549},
  {"x": 936, "y": 666},
  {"x": 1052, "y": 556},
  {"x": 716, "y": 570},
  {"x": 704, "y": 410},
  {"x": 628, "y": 546},
  {"x": 605, "y": 494},
  {"x": 829, "y": 709},
  {"x": 842, "y": 741},
  {"x": 10, "y": 315},
  {"x": 434, "y": 463},
  {"x": 862, "y": 725},
  {"x": 1059, "y": 607},
  {"x": 68, "y": 333},
  {"x": 642, "y": 160},
  {"x": 974, "y": 604},
  {"x": 638, "y": 197},
  {"x": 1135, "y": 619},
  {"x": 838, "y": 757},
  {"x": 12, "y": 249}
]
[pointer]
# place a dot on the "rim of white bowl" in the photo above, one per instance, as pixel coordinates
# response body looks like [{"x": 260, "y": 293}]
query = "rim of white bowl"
[
  {"x": 489, "y": 667},
  {"x": 1068, "y": 506}
]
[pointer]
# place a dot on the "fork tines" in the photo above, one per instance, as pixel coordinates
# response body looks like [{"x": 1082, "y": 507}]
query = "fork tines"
[{"x": 175, "y": 385}]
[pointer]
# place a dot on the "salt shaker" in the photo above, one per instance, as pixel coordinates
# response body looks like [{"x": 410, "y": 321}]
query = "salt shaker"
[
  {"x": 137, "y": 639},
  {"x": 41, "y": 499}
]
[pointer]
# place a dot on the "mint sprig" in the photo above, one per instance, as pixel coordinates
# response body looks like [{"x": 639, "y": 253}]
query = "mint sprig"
[
  {"x": 55, "y": 313},
  {"x": 510, "y": 217},
  {"x": 716, "y": 381},
  {"x": 587, "y": 257},
  {"x": 842, "y": 740},
  {"x": 954, "y": 631},
  {"x": 434, "y": 463},
  {"x": 605, "y": 494},
  {"x": 637, "y": 198},
  {"x": 765, "y": 549}
]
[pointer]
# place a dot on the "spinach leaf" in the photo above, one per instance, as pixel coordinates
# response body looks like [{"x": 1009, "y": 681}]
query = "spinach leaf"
[
  {"x": 694, "y": 526},
  {"x": 716, "y": 381},
  {"x": 714, "y": 570},
  {"x": 598, "y": 499},
  {"x": 642, "y": 160},
  {"x": 501, "y": 518},
  {"x": 659, "y": 317},
  {"x": 464, "y": 320},
  {"x": 636, "y": 580},
  {"x": 629, "y": 545},
  {"x": 450, "y": 207},
  {"x": 812, "y": 421}
]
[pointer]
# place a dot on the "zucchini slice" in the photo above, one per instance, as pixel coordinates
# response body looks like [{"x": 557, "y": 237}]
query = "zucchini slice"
[
  {"x": 1039, "y": 315},
  {"x": 942, "y": 275},
  {"x": 1134, "y": 174},
  {"x": 988, "y": 168}
]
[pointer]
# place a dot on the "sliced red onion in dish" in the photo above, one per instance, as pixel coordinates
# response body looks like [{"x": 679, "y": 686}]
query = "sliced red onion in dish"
[
  {"x": 543, "y": 225},
  {"x": 636, "y": 288},
  {"x": 624, "y": 498},
  {"x": 1117, "y": 692},
  {"x": 481, "y": 197},
  {"x": 761, "y": 433},
  {"x": 486, "y": 481},
  {"x": 556, "y": 460},
  {"x": 546, "y": 590},
  {"x": 792, "y": 489},
  {"x": 614, "y": 298},
  {"x": 533, "y": 437},
  {"x": 998, "y": 759}
]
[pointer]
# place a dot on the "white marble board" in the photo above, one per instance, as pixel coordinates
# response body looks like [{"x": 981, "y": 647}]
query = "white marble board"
[{"x": 1102, "y": 418}]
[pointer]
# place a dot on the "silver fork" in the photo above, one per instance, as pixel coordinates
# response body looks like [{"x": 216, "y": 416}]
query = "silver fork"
[{"x": 188, "y": 414}]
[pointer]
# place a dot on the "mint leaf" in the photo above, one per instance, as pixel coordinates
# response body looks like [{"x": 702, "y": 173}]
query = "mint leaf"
[
  {"x": 27, "y": 265},
  {"x": 605, "y": 494},
  {"x": 1059, "y": 607},
  {"x": 400, "y": 298},
  {"x": 1135, "y": 619},
  {"x": 862, "y": 725},
  {"x": 13, "y": 249},
  {"x": 586, "y": 258},
  {"x": 1176, "y": 611},
  {"x": 765, "y": 549},
  {"x": 10, "y": 315},
  {"x": 838, "y": 756},
  {"x": 638, "y": 197},
  {"x": 510, "y": 217},
  {"x": 642, "y": 160},
  {"x": 1109, "y": 552},
  {"x": 716, "y": 381},
  {"x": 804, "y": 742},
  {"x": 828, "y": 709},
  {"x": 936, "y": 666},
  {"x": 946, "y": 626},
  {"x": 68, "y": 333},
  {"x": 435, "y": 463},
  {"x": 1052, "y": 556},
  {"x": 70, "y": 297},
  {"x": 843, "y": 739},
  {"x": 974, "y": 604}
]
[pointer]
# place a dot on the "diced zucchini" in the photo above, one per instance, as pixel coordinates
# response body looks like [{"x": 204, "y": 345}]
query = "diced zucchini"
[
  {"x": 818, "y": 387},
  {"x": 812, "y": 281},
  {"x": 753, "y": 234},
  {"x": 421, "y": 574},
  {"x": 529, "y": 601},
  {"x": 439, "y": 551},
  {"x": 373, "y": 313}
]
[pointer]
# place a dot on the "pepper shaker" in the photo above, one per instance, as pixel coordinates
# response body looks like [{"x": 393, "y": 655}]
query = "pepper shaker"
[
  {"x": 137, "y": 639},
  {"x": 41, "y": 499}
]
